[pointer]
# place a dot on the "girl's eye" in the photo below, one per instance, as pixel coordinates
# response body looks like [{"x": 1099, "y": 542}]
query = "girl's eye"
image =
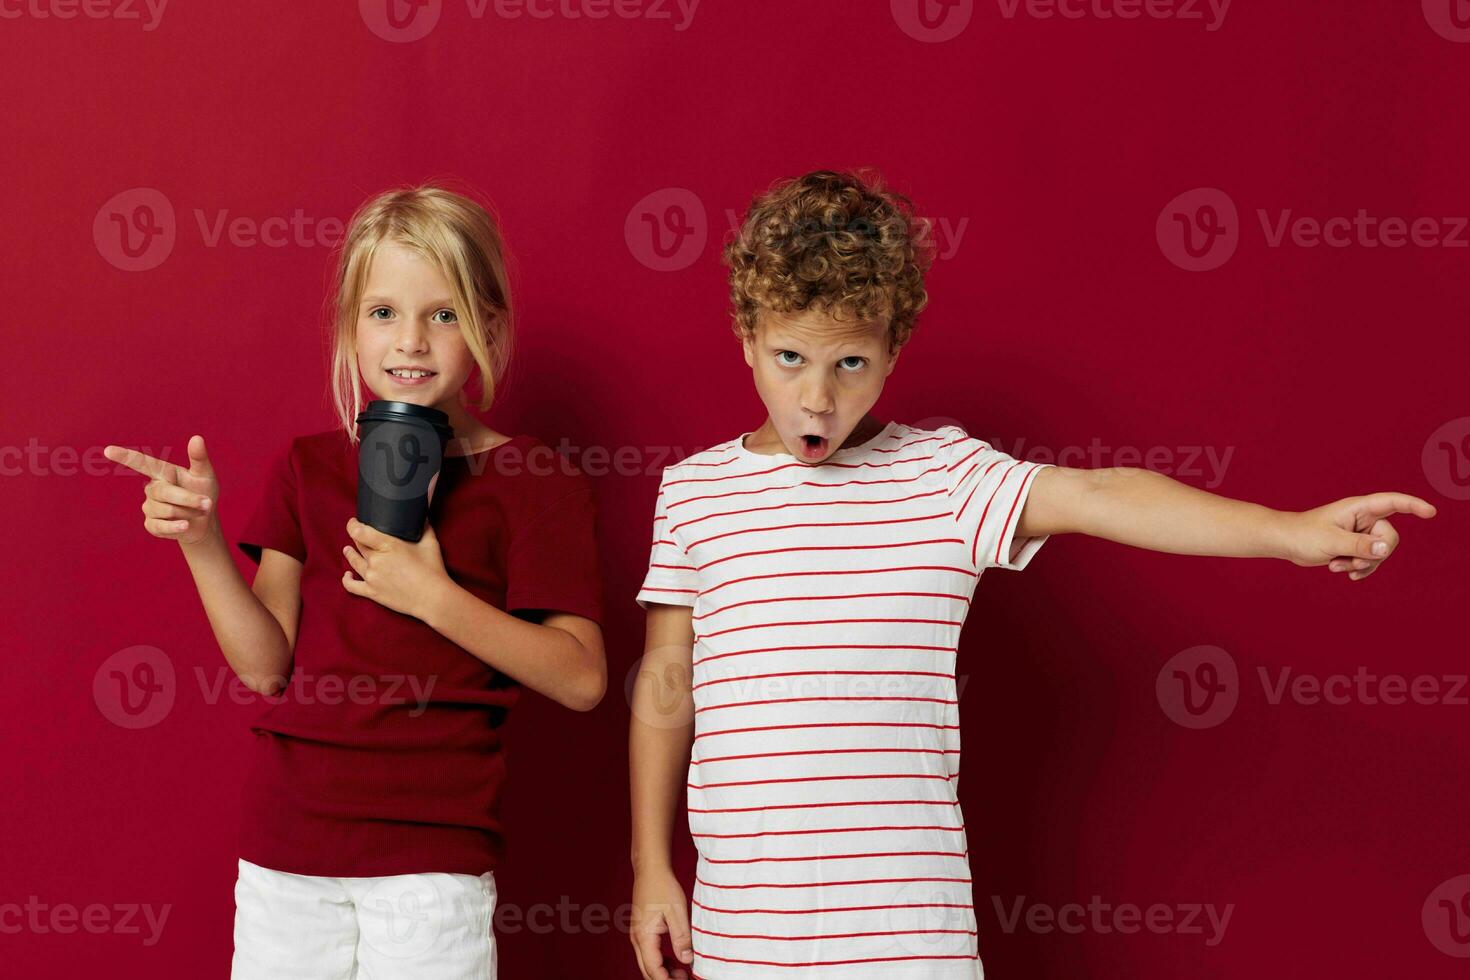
[
  {"x": 379, "y": 309},
  {"x": 781, "y": 358},
  {"x": 452, "y": 317},
  {"x": 857, "y": 366}
]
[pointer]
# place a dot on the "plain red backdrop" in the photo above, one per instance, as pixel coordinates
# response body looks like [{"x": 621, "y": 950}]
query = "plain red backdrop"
[{"x": 1059, "y": 319}]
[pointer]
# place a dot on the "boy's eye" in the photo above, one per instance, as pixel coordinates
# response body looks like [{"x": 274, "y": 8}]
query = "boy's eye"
[
  {"x": 781, "y": 358},
  {"x": 853, "y": 363}
]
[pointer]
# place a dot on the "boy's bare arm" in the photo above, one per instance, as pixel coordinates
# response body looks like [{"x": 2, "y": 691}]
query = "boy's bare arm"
[
  {"x": 659, "y": 739},
  {"x": 661, "y": 731},
  {"x": 1149, "y": 510}
]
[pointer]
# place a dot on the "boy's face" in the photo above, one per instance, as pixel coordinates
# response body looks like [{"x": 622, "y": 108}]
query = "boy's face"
[
  {"x": 407, "y": 318},
  {"x": 817, "y": 376}
]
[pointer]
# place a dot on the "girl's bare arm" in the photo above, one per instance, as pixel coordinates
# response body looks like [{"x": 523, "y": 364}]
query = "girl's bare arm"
[{"x": 255, "y": 628}]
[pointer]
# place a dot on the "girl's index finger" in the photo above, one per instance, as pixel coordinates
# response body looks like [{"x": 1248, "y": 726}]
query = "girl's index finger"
[{"x": 141, "y": 463}]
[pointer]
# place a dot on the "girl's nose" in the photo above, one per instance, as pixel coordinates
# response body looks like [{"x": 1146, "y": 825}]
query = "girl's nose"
[{"x": 412, "y": 338}]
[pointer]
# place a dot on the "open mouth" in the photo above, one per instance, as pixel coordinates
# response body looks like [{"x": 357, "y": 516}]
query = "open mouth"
[
  {"x": 813, "y": 447},
  {"x": 411, "y": 376}
]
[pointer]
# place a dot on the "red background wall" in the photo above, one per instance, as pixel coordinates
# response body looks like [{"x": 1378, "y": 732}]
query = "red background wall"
[{"x": 1058, "y": 320}]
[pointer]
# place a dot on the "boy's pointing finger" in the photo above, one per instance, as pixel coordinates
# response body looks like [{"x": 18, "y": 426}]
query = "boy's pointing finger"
[{"x": 1386, "y": 503}]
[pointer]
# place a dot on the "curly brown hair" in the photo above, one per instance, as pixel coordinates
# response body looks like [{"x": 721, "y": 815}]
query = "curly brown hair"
[{"x": 836, "y": 242}]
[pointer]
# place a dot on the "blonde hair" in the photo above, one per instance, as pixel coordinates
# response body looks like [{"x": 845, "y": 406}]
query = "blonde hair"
[
  {"x": 838, "y": 242},
  {"x": 462, "y": 239}
]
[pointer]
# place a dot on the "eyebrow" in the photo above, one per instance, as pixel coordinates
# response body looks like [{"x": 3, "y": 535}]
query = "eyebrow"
[{"x": 385, "y": 301}]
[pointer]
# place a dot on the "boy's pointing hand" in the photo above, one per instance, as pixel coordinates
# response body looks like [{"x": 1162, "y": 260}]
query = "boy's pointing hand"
[{"x": 1350, "y": 535}]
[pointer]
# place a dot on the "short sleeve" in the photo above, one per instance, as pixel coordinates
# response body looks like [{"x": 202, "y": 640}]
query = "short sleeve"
[
  {"x": 552, "y": 561},
  {"x": 276, "y": 522},
  {"x": 988, "y": 490},
  {"x": 671, "y": 576}
]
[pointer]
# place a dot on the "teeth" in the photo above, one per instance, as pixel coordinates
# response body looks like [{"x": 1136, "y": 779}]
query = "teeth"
[{"x": 409, "y": 374}]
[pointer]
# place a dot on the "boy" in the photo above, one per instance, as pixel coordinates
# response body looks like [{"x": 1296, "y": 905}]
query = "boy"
[{"x": 805, "y": 595}]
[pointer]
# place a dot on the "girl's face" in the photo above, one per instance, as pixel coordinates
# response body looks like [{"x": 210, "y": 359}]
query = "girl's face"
[{"x": 406, "y": 320}]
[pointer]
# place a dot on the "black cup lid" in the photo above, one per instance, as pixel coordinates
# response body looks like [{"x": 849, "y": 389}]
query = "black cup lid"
[{"x": 390, "y": 411}]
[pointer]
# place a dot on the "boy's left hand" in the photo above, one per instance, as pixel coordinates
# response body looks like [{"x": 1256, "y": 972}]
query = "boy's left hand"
[
  {"x": 1350, "y": 535},
  {"x": 402, "y": 575}
]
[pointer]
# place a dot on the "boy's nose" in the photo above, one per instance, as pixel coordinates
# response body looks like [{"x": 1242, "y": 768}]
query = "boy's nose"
[{"x": 817, "y": 401}]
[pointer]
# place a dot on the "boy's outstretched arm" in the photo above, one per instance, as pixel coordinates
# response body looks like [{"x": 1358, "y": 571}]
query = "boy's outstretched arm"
[{"x": 1149, "y": 510}]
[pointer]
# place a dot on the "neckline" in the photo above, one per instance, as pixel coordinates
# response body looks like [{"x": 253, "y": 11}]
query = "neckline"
[
  {"x": 883, "y": 433},
  {"x": 484, "y": 452}
]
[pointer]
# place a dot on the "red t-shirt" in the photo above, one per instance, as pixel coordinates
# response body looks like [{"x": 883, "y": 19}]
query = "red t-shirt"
[{"x": 383, "y": 755}]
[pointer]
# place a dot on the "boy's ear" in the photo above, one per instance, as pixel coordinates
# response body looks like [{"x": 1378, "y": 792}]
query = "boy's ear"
[
  {"x": 892, "y": 360},
  {"x": 747, "y": 341}
]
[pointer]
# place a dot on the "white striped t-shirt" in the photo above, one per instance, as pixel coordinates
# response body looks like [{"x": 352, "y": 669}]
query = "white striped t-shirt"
[{"x": 827, "y": 605}]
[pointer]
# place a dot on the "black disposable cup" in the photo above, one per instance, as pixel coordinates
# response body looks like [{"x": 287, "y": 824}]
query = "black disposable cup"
[{"x": 401, "y": 448}]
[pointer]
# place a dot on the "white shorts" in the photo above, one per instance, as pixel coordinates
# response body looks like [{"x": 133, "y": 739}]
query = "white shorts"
[{"x": 421, "y": 926}]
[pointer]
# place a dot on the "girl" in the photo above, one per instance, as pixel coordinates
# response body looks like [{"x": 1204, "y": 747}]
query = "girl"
[{"x": 370, "y": 831}]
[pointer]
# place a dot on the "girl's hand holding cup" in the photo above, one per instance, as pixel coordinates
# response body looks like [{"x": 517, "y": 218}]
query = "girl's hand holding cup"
[{"x": 179, "y": 504}]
